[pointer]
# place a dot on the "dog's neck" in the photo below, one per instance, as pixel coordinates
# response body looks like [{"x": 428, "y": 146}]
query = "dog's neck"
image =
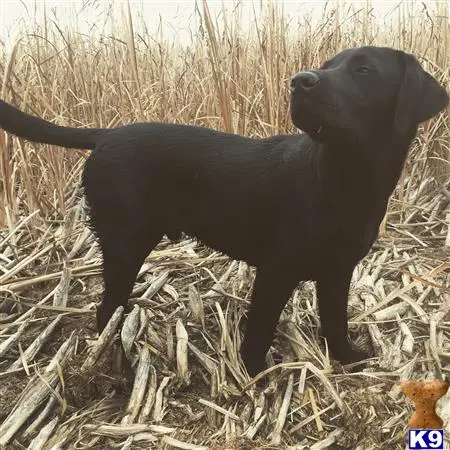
[
  {"x": 375, "y": 166},
  {"x": 358, "y": 179}
]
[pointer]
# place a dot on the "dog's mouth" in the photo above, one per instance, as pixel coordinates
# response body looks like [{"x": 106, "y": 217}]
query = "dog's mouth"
[
  {"x": 310, "y": 117},
  {"x": 317, "y": 134},
  {"x": 312, "y": 125}
]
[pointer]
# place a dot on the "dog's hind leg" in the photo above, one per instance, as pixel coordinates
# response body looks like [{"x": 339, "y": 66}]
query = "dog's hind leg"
[{"x": 124, "y": 250}]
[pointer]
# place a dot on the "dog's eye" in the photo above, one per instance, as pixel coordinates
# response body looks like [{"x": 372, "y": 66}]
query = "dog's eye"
[{"x": 362, "y": 69}]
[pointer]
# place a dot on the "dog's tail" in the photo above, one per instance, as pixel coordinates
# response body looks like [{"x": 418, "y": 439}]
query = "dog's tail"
[{"x": 35, "y": 129}]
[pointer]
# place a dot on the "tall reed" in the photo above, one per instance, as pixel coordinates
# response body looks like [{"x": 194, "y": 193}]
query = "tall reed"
[{"x": 233, "y": 76}]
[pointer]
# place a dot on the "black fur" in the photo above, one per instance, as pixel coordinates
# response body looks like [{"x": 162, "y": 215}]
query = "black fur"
[{"x": 297, "y": 207}]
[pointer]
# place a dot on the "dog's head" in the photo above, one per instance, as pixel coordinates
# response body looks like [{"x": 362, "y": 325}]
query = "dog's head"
[{"x": 363, "y": 92}]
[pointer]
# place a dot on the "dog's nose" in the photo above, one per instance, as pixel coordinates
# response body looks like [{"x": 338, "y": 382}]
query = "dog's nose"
[{"x": 304, "y": 80}]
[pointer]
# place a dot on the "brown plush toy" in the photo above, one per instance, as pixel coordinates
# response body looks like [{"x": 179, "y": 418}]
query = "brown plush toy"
[{"x": 424, "y": 395}]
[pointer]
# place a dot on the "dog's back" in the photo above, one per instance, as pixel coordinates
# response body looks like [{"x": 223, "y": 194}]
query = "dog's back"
[{"x": 228, "y": 191}]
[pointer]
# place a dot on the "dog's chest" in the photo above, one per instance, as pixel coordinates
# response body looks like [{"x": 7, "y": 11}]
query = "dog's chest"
[
  {"x": 356, "y": 244},
  {"x": 338, "y": 245}
]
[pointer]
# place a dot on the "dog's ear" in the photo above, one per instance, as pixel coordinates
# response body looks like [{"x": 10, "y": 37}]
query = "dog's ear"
[{"x": 420, "y": 96}]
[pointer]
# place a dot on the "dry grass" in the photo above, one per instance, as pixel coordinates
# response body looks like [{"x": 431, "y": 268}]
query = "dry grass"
[{"x": 188, "y": 388}]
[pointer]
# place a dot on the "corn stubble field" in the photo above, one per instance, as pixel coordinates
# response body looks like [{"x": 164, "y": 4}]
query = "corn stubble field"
[{"x": 61, "y": 386}]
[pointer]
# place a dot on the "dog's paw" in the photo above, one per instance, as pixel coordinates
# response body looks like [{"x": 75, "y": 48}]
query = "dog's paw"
[
  {"x": 354, "y": 355},
  {"x": 354, "y": 359},
  {"x": 253, "y": 363},
  {"x": 342, "y": 350},
  {"x": 254, "y": 366}
]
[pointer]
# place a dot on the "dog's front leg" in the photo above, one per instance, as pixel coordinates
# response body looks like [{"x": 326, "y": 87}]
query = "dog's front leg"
[
  {"x": 272, "y": 289},
  {"x": 332, "y": 292}
]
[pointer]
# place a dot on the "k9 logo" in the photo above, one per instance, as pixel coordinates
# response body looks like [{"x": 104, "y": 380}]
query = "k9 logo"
[{"x": 426, "y": 440}]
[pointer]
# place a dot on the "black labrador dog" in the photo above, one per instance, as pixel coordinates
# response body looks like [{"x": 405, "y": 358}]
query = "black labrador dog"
[{"x": 300, "y": 207}]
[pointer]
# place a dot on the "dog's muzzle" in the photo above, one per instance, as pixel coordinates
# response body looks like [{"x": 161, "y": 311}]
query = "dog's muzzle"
[{"x": 304, "y": 81}]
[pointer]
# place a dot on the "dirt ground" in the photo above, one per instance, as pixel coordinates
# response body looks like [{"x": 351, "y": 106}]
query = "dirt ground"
[{"x": 181, "y": 383}]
